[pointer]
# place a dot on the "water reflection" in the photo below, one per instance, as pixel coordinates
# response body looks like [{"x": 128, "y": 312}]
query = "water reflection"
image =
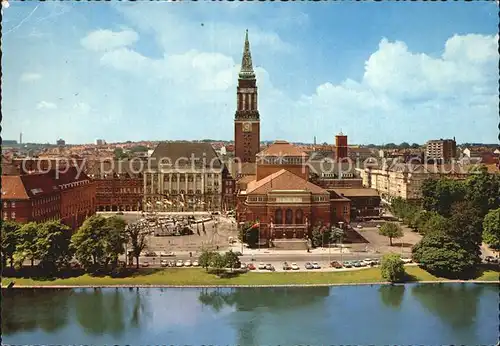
[
  {"x": 391, "y": 295},
  {"x": 455, "y": 305},
  {"x": 96, "y": 311},
  {"x": 250, "y": 299},
  {"x": 29, "y": 310}
]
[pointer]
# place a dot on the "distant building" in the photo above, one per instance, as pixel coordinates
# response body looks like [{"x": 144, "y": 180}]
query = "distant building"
[
  {"x": 61, "y": 142},
  {"x": 100, "y": 142},
  {"x": 9, "y": 142},
  {"x": 341, "y": 148},
  {"x": 441, "y": 150}
]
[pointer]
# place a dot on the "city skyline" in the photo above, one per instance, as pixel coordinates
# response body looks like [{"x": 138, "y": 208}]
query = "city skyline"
[{"x": 119, "y": 72}]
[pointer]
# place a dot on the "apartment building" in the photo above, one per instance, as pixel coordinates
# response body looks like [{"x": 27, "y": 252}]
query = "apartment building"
[{"x": 441, "y": 150}]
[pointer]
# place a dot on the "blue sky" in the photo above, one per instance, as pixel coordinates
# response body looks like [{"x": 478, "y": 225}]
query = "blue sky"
[{"x": 380, "y": 72}]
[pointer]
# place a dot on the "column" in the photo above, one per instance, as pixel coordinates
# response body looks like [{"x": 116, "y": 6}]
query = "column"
[
  {"x": 186, "y": 176},
  {"x": 160, "y": 183},
  {"x": 170, "y": 182},
  {"x": 145, "y": 176},
  {"x": 178, "y": 182}
]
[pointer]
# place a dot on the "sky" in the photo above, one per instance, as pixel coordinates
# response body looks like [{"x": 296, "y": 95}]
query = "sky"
[{"x": 380, "y": 72}]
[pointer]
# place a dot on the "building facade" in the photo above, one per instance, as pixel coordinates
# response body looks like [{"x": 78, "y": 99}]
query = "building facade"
[
  {"x": 441, "y": 150},
  {"x": 247, "y": 118},
  {"x": 183, "y": 176},
  {"x": 30, "y": 198},
  {"x": 341, "y": 147},
  {"x": 78, "y": 196},
  {"x": 119, "y": 185}
]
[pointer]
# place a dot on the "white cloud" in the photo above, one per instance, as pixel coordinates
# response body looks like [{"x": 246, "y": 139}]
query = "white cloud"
[
  {"x": 102, "y": 40},
  {"x": 29, "y": 77},
  {"x": 46, "y": 105}
]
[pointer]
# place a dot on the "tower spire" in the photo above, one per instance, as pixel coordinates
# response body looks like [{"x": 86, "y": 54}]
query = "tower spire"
[{"x": 246, "y": 71}]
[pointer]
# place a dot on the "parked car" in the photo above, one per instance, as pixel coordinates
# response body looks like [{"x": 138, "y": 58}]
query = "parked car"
[
  {"x": 336, "y": 265},
  {"x": 262, "y": 266},
  {"x": 491, "y": 259},
  {"x": 171, "y": 263},
  {"x": 347, "y": 264},
  {"x": 295, "y": 266},
  {"x": 145, "y": 264},
  {"x": 151, "y": 254},
  {"x": 270, "y": 267},
  {"x": 251, "y": 266},
  {"x": 316, "y": 265},
  {"x": 368, "y": 261},
  {"x": 375, "y": 262},
  {"x": 356, "y": 264},
  {"x": 359, "y": 226},
  {"x": 167, "y": 254},
  {"x": 238, "y": 253},
  {"x": 286, "y": 266},
  {"x": 119, "y": 213},
  {"x": 243, "y": 266},
  {"x": 179, "y": 263},
  {"x": 163, "y": 263},
  {"x": 308, "y": 265},
  {"x": 196, "y": 263},
  {"x": 187, "y": 263},
  {"x": 362, "y": 263},
  {"x": 406, "y": 260}
]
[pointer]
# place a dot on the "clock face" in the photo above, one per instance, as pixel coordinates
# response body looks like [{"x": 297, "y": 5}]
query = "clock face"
[{"x": 247, "y": 127}]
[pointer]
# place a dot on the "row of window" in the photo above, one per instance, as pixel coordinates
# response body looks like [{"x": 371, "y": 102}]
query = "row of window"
[
  {"x": 256, "y": 199},
  {"x": 229, "y": 190},
  {"x": 130, "y": 190},
  {"x": 43, "y": 211},
  {"x": 45, "y": 200},
  {"x": 11, "y": 204},
  {"x": 320, "y": 198}
]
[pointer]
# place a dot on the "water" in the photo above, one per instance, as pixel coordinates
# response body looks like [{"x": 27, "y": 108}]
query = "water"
[{"x": 465, "y": 314}]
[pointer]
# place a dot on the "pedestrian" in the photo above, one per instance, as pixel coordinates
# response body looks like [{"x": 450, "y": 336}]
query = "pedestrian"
[{"x": 190, "y": 254}]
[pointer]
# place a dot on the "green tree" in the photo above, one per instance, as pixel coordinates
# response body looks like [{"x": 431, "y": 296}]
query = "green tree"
[
  {"x": 491, "y": 229},
  {"x": 337, "y": 235},
  {"x": 9, "y": 241},
  {"x": 53, "y": 245},
  {"x": 465, "y": 227},
  {"x": 26, "y": 247},
  {"x": 439, "y": 195},
  {"x": 391, "y": 230},
  {"x": 137, "y": 236},
  {"x": 483, "y": 191},
  {"x": 90, "y": 243},
  {"x": 404, "y": 145},
  {"x": 392, "y": 268},
  {"x": 217, "y": 261},
  {"x": 433, "y": 223},
  {"x": 231, "y": 260},
  {"x": 415, "y": 146},
  {"x": 116, "y": 238},
  {"x": 204, "y": 258},
  {"x": 441, "y": 255}
]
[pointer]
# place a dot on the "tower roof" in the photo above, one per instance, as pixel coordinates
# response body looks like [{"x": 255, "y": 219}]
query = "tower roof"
[{"x": 247, "y": 71}]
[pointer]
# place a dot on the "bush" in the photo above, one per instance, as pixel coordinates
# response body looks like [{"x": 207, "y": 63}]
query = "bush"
[{"x": 392, "y": 268}]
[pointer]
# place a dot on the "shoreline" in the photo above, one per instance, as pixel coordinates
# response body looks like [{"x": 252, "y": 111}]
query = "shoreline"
[{"x": 379, "y": 283}]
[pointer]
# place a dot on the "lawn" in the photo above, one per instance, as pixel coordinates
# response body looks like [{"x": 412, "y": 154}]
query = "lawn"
[{"x": 198, "y": 277}]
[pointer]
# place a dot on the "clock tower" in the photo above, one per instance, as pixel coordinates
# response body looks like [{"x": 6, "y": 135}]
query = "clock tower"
[{"x": 247, "y": 118}]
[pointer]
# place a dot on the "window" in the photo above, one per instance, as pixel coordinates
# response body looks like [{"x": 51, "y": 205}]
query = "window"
[
  {"x": 13, "y": 215},
  {"x": 289, "y": 216},
  {"x": 345, "y": 210},
  {"x": 298, "y": 217},
  {"x": 5, "y": 204},
  {"x": 278, "y": 216},
  {"x": 5, "y": 215}
]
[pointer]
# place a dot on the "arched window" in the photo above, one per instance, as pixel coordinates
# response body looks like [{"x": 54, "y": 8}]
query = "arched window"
[
  {"x": 299, "y": 217},
  {"x": 289, "y": 216},
  {"x": 278, "y": 216}
]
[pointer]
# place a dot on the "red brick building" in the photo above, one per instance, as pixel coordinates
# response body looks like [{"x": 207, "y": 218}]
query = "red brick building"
[
  {"x": 119, "y": 185},
  {"x": 27, "y": 198},
  {"x": 341, "y": 146},
  {"x": 247, "y": 118},
  {"x": 282, "y": 155},
  {"x": 287, "y": 206},
  {"x": 78, "y": 196}
]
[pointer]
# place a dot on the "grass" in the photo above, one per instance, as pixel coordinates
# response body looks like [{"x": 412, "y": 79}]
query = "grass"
[{"x": 198, "y": 277}]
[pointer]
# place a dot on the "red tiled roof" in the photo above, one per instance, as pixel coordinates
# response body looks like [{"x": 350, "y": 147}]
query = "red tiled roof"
[
  {"x": 67, "y": 176},
  {"x": 282, "y": 148},
  {"x": 282, "y": 180},
  {"x": 27, "y": 186},
  {"x": 13, "y": 188}
]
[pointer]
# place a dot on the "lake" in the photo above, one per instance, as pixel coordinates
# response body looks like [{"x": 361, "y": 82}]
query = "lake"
[{"x": 427, "y": 314}]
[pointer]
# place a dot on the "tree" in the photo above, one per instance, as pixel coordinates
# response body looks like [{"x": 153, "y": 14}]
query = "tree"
[
  {"x": 337, "y": 235},
  {"x": 53, "y": 245},
  {"x": 137, "y": 236},
  {"x": 404, "y": 145},
  {"x": 415, "y": 146},
  {"x": 491, "y": 229},
  {"x": 440, "y": 254},
  {"x": 439, "y": 195},
  {"x": 26, "y": 247},
  {"x": 204, "y": 258},
  {"x": 391, "y": 230},
  {"x": 483, "y": 191},
  {"x": 90, "y": 242},
  {"x": 231, "y": 260},
  {"x": 392, "y": 268},
  {"x": 116, "y": 238},
  {"x": 217, "y": 261},
  {"x": 432, "y": 222},
  {"x": 465, "y": 227},
  {"x": 9, "y": 241}
]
